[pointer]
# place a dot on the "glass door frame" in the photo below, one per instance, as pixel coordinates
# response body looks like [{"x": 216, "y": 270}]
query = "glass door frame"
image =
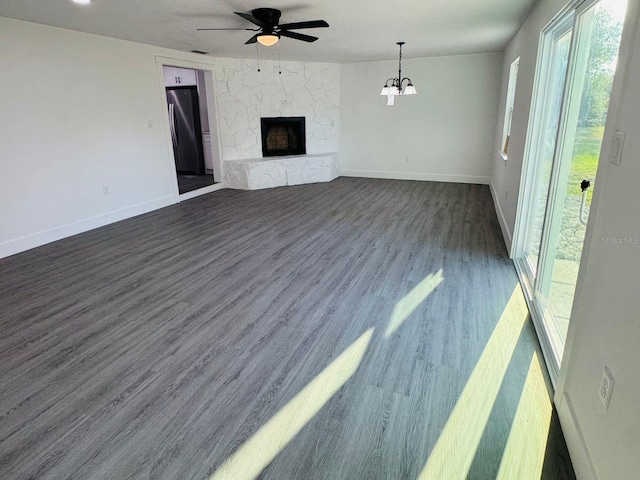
[
  {"x": 567, "y": 19},
  {"x": 554, "y": 31}
]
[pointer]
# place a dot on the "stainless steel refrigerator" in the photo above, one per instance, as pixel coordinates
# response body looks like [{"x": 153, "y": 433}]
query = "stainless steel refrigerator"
[{"x": 186, "y": 132}]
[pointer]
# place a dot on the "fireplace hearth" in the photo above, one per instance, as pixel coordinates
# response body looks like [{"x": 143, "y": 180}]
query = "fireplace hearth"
[{"x": 283, "y": 136}]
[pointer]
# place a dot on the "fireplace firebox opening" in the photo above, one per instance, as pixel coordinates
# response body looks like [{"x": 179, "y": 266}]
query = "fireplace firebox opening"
[{"x": 283, "y": 136}]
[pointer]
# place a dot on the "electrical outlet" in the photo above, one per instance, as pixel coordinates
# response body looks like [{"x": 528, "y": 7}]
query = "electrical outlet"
[
  {"x": 106, "y": 189},
  {"x": 606, "y": 386},
  {"x": 407, "y": 158},
  {"x": 149, "y": 122}
]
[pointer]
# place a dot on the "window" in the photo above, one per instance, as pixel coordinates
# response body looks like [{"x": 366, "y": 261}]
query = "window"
[{"x": 508, "y": 113}]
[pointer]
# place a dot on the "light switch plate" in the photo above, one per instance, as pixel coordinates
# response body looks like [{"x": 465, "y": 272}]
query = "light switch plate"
[{"x": 617, "y": 148}]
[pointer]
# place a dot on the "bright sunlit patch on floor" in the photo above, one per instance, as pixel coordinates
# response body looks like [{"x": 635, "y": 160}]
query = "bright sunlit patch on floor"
[
  {"x": 257, "y": 452},
  {"x": 456, "y": 447},
  {"x": 412, "y": 300},
  {"x": 524, "y": 454}
]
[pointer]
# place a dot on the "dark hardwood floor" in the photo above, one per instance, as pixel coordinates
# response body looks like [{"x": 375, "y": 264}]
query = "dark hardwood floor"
[{"x": 359, "y": 329}]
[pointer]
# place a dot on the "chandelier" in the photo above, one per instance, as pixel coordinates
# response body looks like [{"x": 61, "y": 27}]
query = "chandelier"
[{"x": 396, "y": 87}]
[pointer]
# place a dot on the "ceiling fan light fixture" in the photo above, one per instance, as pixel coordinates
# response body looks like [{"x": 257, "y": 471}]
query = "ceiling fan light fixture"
[{"x": 268, "y": 39}]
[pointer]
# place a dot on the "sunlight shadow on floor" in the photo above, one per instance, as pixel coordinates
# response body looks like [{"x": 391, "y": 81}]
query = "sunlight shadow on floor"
[
  {"x": 256, "y": 453},
  {"x": 456, "y": 446},
  {"x": 412, "y": 300},
  {"x": 524, "y": 454}
]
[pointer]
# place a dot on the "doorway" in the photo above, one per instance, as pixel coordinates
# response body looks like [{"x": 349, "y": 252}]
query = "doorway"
[
  {"x": 189, "y": 127},
  {"x": 575, "y": 71}
]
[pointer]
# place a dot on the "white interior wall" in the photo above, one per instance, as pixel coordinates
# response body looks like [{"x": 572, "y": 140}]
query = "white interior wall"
[
  {"x": 209, "y": 163},
  {"x": 76, "y": 116},
  {"x": 202, "y": 101},
  {"x": 604, "y": 328},
  {"x": 444, "y": 133},
  {"x": 505, "y": 175}
]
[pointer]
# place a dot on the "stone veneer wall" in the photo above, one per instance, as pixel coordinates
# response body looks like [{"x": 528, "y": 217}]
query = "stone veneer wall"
[
  {"x": 244, "y": 95},
  {"x": 281, "y": 171}
]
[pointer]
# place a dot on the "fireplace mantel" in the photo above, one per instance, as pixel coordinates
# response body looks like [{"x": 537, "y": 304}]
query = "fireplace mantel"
[{"x": 259, "y": 173}]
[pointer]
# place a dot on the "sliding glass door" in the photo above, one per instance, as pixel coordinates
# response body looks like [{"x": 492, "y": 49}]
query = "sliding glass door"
[
  {"x": 575, "y": 73},
  {"x": 556, "y": 45}
]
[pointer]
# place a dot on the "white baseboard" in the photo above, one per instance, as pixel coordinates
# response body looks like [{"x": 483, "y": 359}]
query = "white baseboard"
[
  {"x": 425, "y": 177},
  {"x": 580, "y": 456},
  {"x": 506, "y": 233},
  {"x": 58, "y": 233}
]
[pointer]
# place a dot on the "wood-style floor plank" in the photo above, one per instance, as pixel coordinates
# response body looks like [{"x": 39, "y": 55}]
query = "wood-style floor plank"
[{"x": 160, "y": 346}]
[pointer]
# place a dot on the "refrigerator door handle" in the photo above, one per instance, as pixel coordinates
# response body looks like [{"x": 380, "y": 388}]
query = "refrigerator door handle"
[
  {"x": 172, "y": 123},
  {"x": 171, "y": 126}
]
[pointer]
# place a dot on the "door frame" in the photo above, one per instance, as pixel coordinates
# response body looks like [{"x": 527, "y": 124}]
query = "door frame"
[
  {"x": 609, "y": 146},
  {"x": 550, "y": 345},
  {"x": 569, "y": 419},
  {"x": 212, "y": 113},
  {"x": 525, "y": 194}
]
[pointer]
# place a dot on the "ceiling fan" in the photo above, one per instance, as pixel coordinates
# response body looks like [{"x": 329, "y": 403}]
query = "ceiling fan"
[{"x": 270, "y": 31}]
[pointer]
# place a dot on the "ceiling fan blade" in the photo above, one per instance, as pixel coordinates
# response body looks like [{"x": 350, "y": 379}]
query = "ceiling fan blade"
[
  {"x": 250, "y": 29},
  {"x": 298, "y": 36},
  {"x": 250, "y": 18},
  {"x": 298, "y": 25},
  {"x": 253, "y": 39}
]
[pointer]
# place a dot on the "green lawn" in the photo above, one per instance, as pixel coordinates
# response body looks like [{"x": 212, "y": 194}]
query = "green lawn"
[{"x": 585, "y": 159}]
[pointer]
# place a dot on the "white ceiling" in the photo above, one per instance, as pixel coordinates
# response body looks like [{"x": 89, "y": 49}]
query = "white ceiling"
[{"x": 360, "y": 30}]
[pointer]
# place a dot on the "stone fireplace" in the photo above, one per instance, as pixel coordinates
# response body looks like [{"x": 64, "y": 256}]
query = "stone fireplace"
[
  {"x": 283, "y": 136},
  {"x": 284, "y": 159}
]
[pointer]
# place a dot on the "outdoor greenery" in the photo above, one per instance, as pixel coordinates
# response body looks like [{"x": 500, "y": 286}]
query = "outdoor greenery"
[
  {"x": 585, "y": 159},
  {"x": 603, "y": 53}
]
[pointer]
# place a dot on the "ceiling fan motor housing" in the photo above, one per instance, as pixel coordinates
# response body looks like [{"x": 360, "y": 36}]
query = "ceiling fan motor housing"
[
  {"x": 269, "y": 28},
  {"x": 268, "y": 16}
]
